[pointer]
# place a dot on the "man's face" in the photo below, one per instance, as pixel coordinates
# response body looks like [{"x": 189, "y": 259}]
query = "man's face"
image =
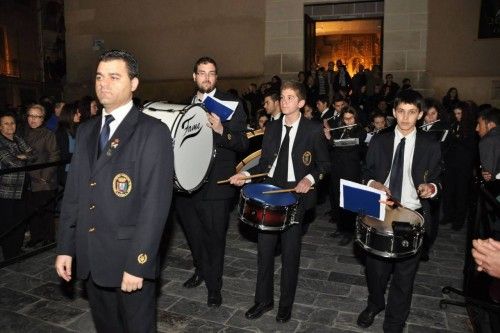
[
  {"x": 113, "y": 86},
  {"x": 338, "y": 105},
  {"x": 205, "y": 77},
  {"x": 330, "y": 66},
  {"x": 321, "y": 106},
  {"x": 388, "y": 78},
  {"x": 270, "y": 105},
  {"x": 379, "y": 123},
  {"x": 406, "y": 116},
  {"x": 289, "y": 102},
  {"x": 483, "y": 127},
  {"x": 35, "y": 117},
  {"x": 349, "y": 119},
  {"x": 431, "y": 115}
]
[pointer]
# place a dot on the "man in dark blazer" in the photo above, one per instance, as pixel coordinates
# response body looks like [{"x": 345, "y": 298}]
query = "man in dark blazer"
[
  {"x": 302, "y": 164},
  {"x": 116, "y": 203},
  {"x": 418, "y": 183},
  {"x": 204, "y": 214}
]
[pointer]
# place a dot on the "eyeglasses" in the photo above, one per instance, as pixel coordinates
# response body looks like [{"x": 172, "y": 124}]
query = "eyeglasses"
[
  {"x": 35, "y": 116},
  {"x": 205, "y": 74}
]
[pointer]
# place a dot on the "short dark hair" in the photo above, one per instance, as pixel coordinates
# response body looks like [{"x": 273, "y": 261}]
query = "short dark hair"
[
  {"x": 204, "y": 60},
  {"x": 273, "y": 94},
  {"x": 338, "y": 98},
  {"x": 323, "y": 98},
  {"x": 491, "y": 115},
  {"x": 378, "y": 114},
  {"x": 349, "y": 109},
  {"x": 130, "y": 61},
  {"x": 410, "y": 96},
  {"x": 433, "y": 103},
  {"x": 8, "y": 114},
  {"x": 297, "y": 87}
]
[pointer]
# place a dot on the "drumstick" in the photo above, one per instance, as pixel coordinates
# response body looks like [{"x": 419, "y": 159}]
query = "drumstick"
[
  {"x": 246, "y": 178},
  {"x": 282, "y": 191}
]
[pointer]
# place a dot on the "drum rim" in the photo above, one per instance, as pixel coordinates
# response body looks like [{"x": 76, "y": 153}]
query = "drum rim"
[
  {"x": 263, "y": 227},
  {"x": 386, "y": 254},
  {"x": 266, "y": 205},
  {"x": 248, "y": 159}
]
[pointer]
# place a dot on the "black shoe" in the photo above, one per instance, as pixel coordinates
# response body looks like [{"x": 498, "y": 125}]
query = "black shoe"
[
  {"x": 345, "y": 240},
  {"x": 424, "y": 257},
  {"x": 214, "y": 299},
  {"x": 284, "y": 314},
  {"x": 336, "y": 234},
  {"x": 365, "y": 318},
  {"x": 193, "y": 281},
  {"x": 258, "y": 309}
]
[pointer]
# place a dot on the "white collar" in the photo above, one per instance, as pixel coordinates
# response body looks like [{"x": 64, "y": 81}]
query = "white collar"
[{"x": 119, "y": 113}]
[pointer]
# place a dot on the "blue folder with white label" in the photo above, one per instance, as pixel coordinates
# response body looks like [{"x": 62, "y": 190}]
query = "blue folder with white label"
[
  {"x": 223, "y": 109},
  {"x": 362, "y": 199}
]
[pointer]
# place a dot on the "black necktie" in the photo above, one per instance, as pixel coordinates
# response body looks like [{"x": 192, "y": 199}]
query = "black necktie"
[
  {"x": 104, "y": 136},
  {"x": 396, "y": 180},
  {"x": 281, "y": 170}
]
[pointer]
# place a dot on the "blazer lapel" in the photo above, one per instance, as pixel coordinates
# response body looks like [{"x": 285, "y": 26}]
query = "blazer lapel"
[
  {"x": 120, "y": 138},
  {"x": 417, "y": 157},
  {"x": 93, "y": 141}
]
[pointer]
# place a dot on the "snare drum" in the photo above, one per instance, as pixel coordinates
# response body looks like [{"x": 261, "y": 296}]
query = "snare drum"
[
  {"x": 251, "y": 157},
  {"x": 400, "y": 235},
  {"x": 273, "y": 212},
  {"x": 194, "y": 150}
]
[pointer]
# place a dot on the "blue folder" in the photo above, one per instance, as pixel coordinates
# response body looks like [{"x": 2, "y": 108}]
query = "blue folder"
[
  {"x": 219, "y": 109},
  {"x": 361, "y": 201}
]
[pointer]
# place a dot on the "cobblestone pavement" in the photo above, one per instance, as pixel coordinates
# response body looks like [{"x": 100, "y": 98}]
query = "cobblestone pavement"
[{"x": 330, "y": 294}]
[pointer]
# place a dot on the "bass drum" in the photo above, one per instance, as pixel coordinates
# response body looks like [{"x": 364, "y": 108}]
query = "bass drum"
[
  {"x": 251, "y": 157},
  {"x": 194, "y": 149}
]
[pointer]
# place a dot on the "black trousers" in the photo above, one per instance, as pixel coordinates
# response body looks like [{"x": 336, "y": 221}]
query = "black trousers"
[
  {"x": 456, "y": 190},
  {"x": 291, "y": 240},
  {"x": 12, "y": 211},
  {"x": 117, "y": 311},
  {"x": 378, "y": 271},
  {"x": 41, "y": 224},
  {"x": 205, "y": 225}
]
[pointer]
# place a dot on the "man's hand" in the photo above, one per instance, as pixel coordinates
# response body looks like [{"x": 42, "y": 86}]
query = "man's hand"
[
  {"x": 381, "y": 187},
  {"x": 327, "y": 133},
  {"x": 238, "y": 179},
  {"x": 214, "y": 123},
  {"x": 303, "y": 186},
  {"x": 486, "y": 253},
  {"x": 425, "y": 191},
  {"x": 63, "y": 267},
  {"x": 131, "y": 283}
]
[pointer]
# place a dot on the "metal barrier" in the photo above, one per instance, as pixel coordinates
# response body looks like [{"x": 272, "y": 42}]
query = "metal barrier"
[{"x": 23, "y": 222}]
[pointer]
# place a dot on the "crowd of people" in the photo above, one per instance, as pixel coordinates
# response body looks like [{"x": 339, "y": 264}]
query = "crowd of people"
[{"x": 359, "y": 128}]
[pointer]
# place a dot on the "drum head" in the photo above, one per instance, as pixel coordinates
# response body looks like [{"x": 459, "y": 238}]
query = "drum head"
[
  {"x": 399, "y": 214},
  {"x": 167, "y": 113},
  {"x": 193, "y": 148},
  {"x": 254, "y": 192}
]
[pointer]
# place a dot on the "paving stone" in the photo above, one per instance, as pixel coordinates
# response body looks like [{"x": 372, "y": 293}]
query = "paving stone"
[
  {"x": 424, "y": 317},
  {"x": 326, "y": 287},
  {"x": 432, "y": 303},
  {"x": 48, "y": 275},
  {"x": 234, "y": 272},
  {"x": 178, "y": 262},
  {"x": 52, "y": 312},
  {"x": 83, "y": 324},
  {"x": 412, "y": 328},
  {"x": 15, "y": 322},
  {"x": 458, "y": 323},
  {"x": 173, "y": 273},
  {"x": 340, "y": 303},
  {"x": 266, "y": 323},
  {"x": 425, "y": 289},
  {"x": 306, "y": 327},
  {"x": 4, "y": 272},
  {"x": 346, "y": 320},
  {"x": 28, "y": 268},
  {"x": 314, "y": 274},
  {"x": 14, "y": 300},
  {"x": 201, "y": 310},
  {"x": 164, "y": 301},
  {"x": 347, "y": 278},
  {"x": 173, "y": 322},
  {"x": 20, "y": 282},
  {"x": 55, "y": 292}
]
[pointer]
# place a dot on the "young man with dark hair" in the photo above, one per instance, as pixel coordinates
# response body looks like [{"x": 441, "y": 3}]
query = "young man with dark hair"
[
  {"x": 116, "y": 203},
  {"x": 299, "y": 170},
  {"x": 272, "y": 104},
  {"x": 404, "y": 163},
  {"x": 204, "y": 214},
  {"x": 489, "y": 147}
]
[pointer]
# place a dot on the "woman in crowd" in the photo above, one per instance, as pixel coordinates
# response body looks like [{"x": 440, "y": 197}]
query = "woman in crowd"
[
  {"x": 459, "y": 161},
  {"x": 88, "y": 108},
  {"x": 14, "y": 152},
  {"x": 65, "y": 137},
  {"x": 43, "y": 182},
  {"x": 450, "y": 99}
]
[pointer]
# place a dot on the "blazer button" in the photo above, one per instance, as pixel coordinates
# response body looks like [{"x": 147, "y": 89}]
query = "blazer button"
[
  {"x": 92, "y": 184},
  {"x": 92, "y": 229},
  {"x": 92, "y": 207}
]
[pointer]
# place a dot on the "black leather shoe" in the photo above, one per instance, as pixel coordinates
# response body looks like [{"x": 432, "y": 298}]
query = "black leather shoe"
[
  {"x": 193, "y": 281},
  {"x": 335, "y": 234},
  {"x": 214, "y": 299},
  {"x": 345, "y": 240},
  {"x": 258, "y": 309},
  {"x": 284, "y": 314},
  {"x": 424, "y": 257},
  {"x": 365, "y": 318}
]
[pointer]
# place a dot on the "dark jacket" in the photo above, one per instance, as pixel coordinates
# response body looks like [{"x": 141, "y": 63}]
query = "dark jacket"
[{"x": 12, "y": 184}]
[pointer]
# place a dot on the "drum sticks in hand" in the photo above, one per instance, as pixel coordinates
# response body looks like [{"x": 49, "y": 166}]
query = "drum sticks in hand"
[
  {"x": 283, "y": 191},
  {"x": 246, "y": 178}
]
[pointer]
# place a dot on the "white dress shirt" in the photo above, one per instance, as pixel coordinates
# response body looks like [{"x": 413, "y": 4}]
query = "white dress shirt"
[
  {"x": 324, "y": 112},
  {"x": 196, "y": 100},
  {"x": 118, "y": 114},
  {"x": 292, "y": 135}
]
